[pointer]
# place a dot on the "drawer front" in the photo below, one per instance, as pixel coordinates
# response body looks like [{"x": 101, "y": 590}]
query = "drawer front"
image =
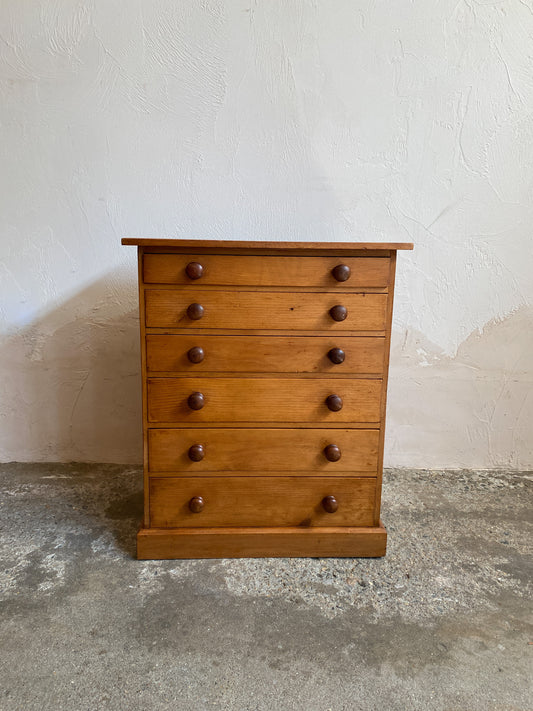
[
  {"x": 262, "y": 400},
  {"x": 264, "y": 354},
  {"x": 169, "y": 308},
  {"x": 240, "y": 270},
  {"x": 260, "y": 501},
  {"x": 324, "y": 452}
]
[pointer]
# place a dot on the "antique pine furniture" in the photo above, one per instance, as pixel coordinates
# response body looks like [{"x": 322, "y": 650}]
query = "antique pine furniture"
[{"x": 264, "y": 376}]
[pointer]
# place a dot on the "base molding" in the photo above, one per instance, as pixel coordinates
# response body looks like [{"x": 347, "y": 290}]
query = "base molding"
[{"x": 171, "y": 543}]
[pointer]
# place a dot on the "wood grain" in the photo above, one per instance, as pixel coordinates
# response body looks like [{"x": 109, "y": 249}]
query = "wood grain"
[
  {"x": 392, "y": 277},
  {"x": 264, "y": 354},
  {"x": 263, "y": 400},
  {"x": 241, "y": 270},
  {"x": 142, "y": 320},
  {"x": 176, "y": 543},
  {"x": 260, "y": 501},
  {"x": 264, "y": 310},
  {"x": 249, "y": 245},
  {"x": 262, "y": 450}
]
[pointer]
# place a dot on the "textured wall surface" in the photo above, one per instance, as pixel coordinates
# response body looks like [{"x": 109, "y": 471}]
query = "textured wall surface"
[{"x": 300, "y": 120}]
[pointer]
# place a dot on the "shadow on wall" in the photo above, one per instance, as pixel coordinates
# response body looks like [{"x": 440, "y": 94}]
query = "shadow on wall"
[{"x": 72, "y": 390}]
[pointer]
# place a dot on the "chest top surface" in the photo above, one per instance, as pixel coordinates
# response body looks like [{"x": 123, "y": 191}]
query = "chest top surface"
[{"x": 274, "y": 247}]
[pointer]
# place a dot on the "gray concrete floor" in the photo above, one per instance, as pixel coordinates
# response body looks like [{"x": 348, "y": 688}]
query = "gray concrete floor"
[{"x": 440, "y": 623}]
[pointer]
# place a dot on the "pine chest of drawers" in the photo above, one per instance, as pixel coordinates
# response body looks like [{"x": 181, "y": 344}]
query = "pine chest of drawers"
[{"x": 264, "y": 376}]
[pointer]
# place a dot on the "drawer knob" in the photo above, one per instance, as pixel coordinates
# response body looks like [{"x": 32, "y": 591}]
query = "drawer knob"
[
  {"x": 196, "y": 354},
  {"x": 341, "y": 272},
  {"x": 337, "y": 313},
  {"x": 195, "y": 270},
  {"x": 196, "y": 504},
  {"x": 330, "y": 504},
  {"x": 334, "y": 403},
  {"x": 196, "y": 453},
  {"x": 332, "y": 452},
  {"x": 196, "y": 311},
  {"x": 196, "y": 401},
  {"x": 336, "y": 355}
]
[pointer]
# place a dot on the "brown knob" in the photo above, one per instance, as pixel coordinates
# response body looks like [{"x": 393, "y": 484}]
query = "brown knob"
[
  {"x": 196, "y": 354},
  {"x": 196, "y": 401},
  {"x": 196, "y": 311},
  {"x": 330, "y": 504},
  {"x": 195, "y": 270},
  {"x": 341, "y": 272},
  {"x": 334, "y": 403},
  {"x": 332, "y": 452},
  {"x": 337, "y": 313},
  {"x": 197, "y": 453},
  {"x": 196, "y": 504},
  {"x": 336, "y": 355}
]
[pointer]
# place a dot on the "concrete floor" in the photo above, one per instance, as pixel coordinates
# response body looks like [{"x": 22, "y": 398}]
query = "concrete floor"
[{"x": 440, "y": 623}]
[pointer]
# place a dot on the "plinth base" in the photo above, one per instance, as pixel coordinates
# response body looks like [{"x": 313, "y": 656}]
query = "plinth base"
[{"x": 168, "y": 543}]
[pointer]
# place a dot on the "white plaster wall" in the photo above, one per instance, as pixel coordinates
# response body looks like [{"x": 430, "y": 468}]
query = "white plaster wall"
[{"x": 303, "y": 120}]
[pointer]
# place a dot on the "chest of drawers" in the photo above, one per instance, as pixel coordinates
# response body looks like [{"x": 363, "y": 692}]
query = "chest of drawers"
[{"x": 264, "y": 377}]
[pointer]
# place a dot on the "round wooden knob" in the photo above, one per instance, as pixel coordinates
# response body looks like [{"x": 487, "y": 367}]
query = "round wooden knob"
[
  {"x": 341, "y": 272},
  {"x": 196, "y": 401},
  {"x": 196, "y": 504},
  {"x": 196, "y": 311},
  {"x": 332, "y": 452},
  {"x": 336, "y": 355},
  {"x": 337, "y": 313},
  {"x": 330, "y": 504},
  {"x": 195, "y": 270},
  {"x": 196, "y": 354},
  {"x": 334, "y": 403},
  {"x": 196, "y": 453}
]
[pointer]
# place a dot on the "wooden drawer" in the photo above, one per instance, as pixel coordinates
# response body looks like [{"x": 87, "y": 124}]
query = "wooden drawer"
[
  {"x": 264, "y": 354},
  {"x": 264, "y": 310},
  {"x": 263, "y": 450},
  {"x": 263, "y": 400},
  {"x": 261, "y": 501},
  {"x": 241, "y": 270}
]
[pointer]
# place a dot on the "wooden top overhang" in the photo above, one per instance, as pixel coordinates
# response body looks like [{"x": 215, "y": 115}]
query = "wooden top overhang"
[{"x": 248, "y": 245}]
